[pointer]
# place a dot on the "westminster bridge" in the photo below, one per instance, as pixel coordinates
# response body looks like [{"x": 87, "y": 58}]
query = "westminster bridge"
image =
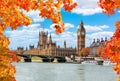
[{"x": 40, "y": 58}]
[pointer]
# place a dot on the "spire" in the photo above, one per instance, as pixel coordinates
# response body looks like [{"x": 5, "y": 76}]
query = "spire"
[
  {"x": 102, "y": 40},
  {"x": 47, "y": 40},
  {"x": 50, "y": 35},
  {"x": 39, "y": 34},
  {"x": 50, "y": 38},
  {"x": 81, "y": 27},
  {"x": 26, "y": 49},
  {"x": 81, "y": 23},
  {"x": 47, "y": 33},
  {"x": 98, "y": 40},
  {"x": 93, "y": 40},
  {"x": 64, "y": 44},
  {"x": 105, "y": 38}
]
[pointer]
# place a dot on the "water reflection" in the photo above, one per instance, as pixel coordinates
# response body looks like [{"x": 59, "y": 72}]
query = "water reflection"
[{"x": 63, "y": 72}]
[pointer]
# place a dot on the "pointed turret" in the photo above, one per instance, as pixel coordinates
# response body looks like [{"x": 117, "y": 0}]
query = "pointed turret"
[
  {"x": 81, "y": 23},
  {"x": 50, "y": 38},
  {"x": 98, "y": 40},
  {"x": 47, "y": 33},
  {"x": 64, "y": 44},
  {"x": 102, "y": 40},
  {"x": 81, "y": 27},
  {"x": 93, "y": 40},
  {"x": 39, "y": 34},
  {"x": 26, "y": 48},
  {"x": 105, "y": 38}
]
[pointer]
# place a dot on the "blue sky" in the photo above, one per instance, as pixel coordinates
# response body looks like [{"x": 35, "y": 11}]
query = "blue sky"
[{"x": 96, "y": 23}]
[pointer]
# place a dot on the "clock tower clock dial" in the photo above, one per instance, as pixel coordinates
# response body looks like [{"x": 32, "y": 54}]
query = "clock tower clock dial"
[
  {"x": 82, "y": 33},
  {"x": 78, "y": 33},
  {"x": 80, "y": 38}
]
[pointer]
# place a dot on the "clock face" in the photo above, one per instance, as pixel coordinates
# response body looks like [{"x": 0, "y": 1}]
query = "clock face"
[
  {"x": 78, "y": 33},
  {"x": 83, "y": 33}
]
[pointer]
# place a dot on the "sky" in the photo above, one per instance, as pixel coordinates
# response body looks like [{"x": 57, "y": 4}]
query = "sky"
[{"x": 97, "y": 25}]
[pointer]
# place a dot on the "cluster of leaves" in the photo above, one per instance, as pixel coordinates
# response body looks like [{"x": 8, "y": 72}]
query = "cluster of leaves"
[
  {"x": 49, "y": 9},
  {"x": 109, "y": 6},
  {"x": 112, "y": 47},
  {"x": 7, "y": 70},
  {"x": 11, "y": 15}
]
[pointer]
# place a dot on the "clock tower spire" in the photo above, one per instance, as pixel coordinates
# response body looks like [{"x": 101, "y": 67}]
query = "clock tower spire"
[{"x": 81, "y": 33}]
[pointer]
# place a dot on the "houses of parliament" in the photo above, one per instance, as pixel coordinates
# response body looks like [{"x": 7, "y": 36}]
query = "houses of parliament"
[{"x": 46, "y": 46}]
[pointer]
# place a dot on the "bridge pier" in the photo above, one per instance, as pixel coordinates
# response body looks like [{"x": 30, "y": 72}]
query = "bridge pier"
[
  {"x": 46, "y": 60},
  {"x": 27, "y": 60},
  {"x": 61, "y": 60},
  {"x": 51, "y": 60}
]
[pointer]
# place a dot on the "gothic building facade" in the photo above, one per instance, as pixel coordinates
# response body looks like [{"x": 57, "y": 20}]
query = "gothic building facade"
[
  {"x": 46, "y": 46},
  {"x": 94, "y": 46}
]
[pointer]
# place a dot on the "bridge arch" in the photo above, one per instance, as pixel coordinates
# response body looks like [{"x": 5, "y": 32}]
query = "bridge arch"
[
  {"x": 55, "y": 60},
  {"x": 36, "y": 59}
]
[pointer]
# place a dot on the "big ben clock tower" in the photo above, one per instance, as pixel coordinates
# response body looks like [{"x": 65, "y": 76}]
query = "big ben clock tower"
[{"x": 80, "y": 37}]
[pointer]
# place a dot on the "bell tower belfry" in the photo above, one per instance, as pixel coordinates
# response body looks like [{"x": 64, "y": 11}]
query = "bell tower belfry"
[
  {"x": 43, "y": 37},
  {"x": 81, "y": 33}
]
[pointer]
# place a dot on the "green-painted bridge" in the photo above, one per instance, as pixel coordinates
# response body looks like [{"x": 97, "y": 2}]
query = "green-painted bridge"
[{"x": 44, "y": 58}]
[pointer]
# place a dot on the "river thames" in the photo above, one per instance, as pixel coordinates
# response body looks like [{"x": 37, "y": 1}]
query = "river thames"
[{"x": 63, "y": 72}]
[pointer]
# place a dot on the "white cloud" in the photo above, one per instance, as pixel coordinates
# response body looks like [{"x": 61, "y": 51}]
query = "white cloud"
[
  {"x": 87, "y": 7},
  {"x": 118, "y": 11},
  {"x": 85, "y": 11},
  {"x": 34, "y": 14},
  {"x": 102, "y": 34},
  {"x": 104, "y": 26},
  {"x": 68, "y": 26},
  {"x": 90, "y": 28}
]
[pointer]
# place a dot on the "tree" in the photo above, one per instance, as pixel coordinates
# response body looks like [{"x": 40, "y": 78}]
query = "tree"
[
  {"x": 85, "y": 51},
  {"x": 11, "y": 15},
  {"x": 112, "y": 47}
]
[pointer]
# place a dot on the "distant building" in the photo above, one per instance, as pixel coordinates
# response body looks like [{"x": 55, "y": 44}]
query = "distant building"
[{"x": 94, "y": 46}]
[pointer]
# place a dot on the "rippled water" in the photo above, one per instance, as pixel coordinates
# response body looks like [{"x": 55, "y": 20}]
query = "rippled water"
[{"x": 63, "y": 72}]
